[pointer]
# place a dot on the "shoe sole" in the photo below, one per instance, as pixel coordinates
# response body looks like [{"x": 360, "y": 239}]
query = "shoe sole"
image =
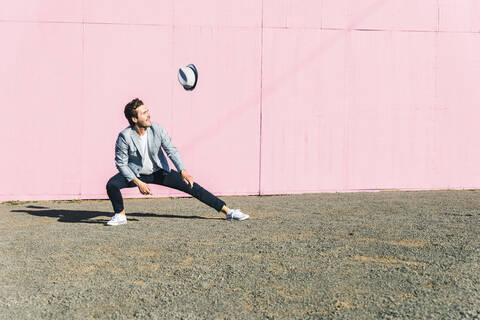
[
  {"x": 116, "y": 223},
  {"x": 244, "y": 218}
]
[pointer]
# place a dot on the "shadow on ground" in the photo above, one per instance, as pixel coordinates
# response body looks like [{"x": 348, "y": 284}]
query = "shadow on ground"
[{"x": 82, "y": 216}]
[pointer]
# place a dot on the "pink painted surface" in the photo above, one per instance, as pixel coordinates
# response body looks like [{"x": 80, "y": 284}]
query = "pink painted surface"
[
  {"x": 217, "y": 124},
  {"x": 352, "y": 14},
  {"x": 293, "y": 96},
  {"x": 380, "y": 14},
  {"x": 384, "y": 121},
  {"x": 456, "y": 126},
  {"x": 42, "y": 10},
  {"x": 459, "y": 15},
  {"x": 41, "y": 91},
  {"x": 150, "y": 12},
  {"x": 292, "y": 14},
  {"x": 218, "y": 13},
  {"x": 304, "y": 111}
]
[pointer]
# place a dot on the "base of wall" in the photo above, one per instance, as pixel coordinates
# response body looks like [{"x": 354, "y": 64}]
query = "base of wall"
[{"x": 63, "y": 197}]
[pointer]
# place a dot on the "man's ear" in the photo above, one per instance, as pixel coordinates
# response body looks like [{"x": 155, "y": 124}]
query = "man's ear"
[{"x": 135, "y": 120}]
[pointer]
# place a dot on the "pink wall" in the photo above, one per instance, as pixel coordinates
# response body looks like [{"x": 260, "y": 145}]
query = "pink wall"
[{"x": 293, "y": 96}]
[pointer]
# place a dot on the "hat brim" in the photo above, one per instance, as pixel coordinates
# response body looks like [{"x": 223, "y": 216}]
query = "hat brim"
[{"x": 194, "y": 69}]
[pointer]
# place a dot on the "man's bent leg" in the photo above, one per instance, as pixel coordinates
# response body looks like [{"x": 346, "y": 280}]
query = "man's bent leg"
[
  {"x": 114, "y": 185},
  {"x": 174, "y": 180}
]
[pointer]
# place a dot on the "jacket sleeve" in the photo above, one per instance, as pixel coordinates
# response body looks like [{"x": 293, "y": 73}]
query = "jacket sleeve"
[
  {"x": 121, "y": 158},
  {"x": 171, "y": 150}
]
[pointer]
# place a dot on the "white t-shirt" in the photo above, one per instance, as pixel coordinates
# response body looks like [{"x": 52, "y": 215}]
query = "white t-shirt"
[{"x": 147, "y": 165}]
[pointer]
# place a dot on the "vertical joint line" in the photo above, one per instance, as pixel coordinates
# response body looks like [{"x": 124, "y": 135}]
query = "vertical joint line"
[
  {"x": 82, "y": 104},
  {"x": 261, "y": 107},
  {"x": 438, "y": 15},
  {"x": 321, "y": 14},
  {"x": 172, "y": 94}
]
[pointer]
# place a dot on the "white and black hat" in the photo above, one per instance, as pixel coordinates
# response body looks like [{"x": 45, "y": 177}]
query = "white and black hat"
[{"x": 188, "y": 77}]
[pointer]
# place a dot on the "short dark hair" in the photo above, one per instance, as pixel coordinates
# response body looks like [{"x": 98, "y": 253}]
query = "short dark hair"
[{"x": 131, "y": 110}]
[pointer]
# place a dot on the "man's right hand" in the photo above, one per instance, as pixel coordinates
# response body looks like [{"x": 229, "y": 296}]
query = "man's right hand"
[{"x": 142, "y": 186}]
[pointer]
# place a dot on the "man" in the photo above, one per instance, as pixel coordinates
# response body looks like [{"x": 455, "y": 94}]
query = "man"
[{"x": 140, "y": 160}]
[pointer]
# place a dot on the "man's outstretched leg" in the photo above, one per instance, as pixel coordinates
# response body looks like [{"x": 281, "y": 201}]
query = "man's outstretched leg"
[{"x": 174, "y": 180}]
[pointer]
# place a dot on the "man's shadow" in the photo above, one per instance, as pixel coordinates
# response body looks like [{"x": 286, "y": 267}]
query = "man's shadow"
[{"x": 82, "y": 216}]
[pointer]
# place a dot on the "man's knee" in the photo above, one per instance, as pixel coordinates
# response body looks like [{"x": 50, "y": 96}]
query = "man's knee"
[
  {"x": 196, "y": 190},
  {"x": 114, "y": 183},
  {"x": 111, "y": 185}
]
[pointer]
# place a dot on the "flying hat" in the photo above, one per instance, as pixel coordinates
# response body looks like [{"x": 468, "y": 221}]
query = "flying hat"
[{"x": 188, "y": 76}]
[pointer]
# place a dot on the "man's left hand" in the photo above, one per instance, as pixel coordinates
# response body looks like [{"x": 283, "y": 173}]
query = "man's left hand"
[{"x": 187, "y": 178}]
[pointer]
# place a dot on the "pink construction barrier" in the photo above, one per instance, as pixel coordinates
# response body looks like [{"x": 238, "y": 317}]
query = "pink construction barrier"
[{"x": 293, "y": 96}]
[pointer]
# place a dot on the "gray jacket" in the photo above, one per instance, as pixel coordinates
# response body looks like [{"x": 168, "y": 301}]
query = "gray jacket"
[{"x": 128, "y": 156}]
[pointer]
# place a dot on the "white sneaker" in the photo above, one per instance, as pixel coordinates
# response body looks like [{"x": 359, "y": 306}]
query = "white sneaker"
[
  {"x": 117, "y": 220},
  {"x": 237, "y": 215}
]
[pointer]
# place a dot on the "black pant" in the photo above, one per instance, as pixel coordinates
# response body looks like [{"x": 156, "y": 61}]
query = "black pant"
[{"x": 171, "y": 179}]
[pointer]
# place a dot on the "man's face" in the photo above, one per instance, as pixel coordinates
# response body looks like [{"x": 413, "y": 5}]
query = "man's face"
[{"x": 143, "y": 117}]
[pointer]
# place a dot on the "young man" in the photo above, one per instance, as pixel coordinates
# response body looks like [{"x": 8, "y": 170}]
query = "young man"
[{"x": 140, "y": 160}]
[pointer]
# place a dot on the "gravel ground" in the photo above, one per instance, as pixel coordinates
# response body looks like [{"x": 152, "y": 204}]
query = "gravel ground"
[{"x": 388, "y": 255}]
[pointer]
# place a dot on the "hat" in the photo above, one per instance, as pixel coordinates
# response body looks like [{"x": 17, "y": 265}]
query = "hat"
[{"x": 188, "y": 76}]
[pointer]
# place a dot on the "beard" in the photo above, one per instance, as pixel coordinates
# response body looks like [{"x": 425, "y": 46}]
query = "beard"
[{"x": 144, "y": 124}]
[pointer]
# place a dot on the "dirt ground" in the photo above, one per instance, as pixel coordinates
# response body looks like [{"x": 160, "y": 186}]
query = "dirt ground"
[{"x": 382, "y": 255}]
